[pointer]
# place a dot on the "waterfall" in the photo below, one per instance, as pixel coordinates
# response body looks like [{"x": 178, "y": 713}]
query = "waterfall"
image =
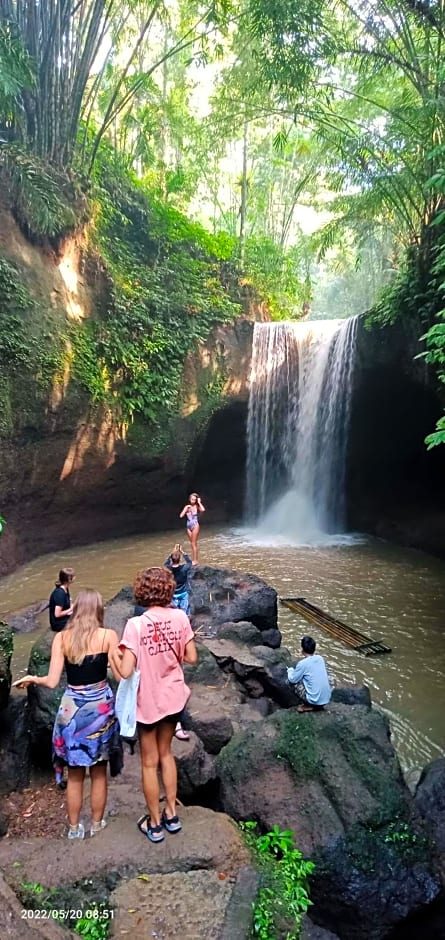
[{"x": 299, "y": 408}]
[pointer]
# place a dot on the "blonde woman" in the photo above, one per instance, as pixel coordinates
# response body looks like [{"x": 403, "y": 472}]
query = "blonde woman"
[
  {"x": 86, "y": 729},
  {"x": 191, "y": 510}
]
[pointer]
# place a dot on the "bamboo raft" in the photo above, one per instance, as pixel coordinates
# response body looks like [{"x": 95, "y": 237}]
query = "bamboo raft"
[{"x": 336, "y": 628}]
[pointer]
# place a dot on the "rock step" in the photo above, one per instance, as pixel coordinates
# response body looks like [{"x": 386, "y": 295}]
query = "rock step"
[
  {"x": 208, "y": 840},
  {"x": 203, "y": 905}
]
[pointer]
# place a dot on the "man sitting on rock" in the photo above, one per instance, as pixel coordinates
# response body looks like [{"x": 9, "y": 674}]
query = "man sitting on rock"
[{"x": 310, "y": 678}]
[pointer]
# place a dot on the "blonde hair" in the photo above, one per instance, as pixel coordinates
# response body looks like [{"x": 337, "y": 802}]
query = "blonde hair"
[{"x": 88, "y": 616}]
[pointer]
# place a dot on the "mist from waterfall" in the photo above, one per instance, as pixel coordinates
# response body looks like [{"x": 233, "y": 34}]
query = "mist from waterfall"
[{"x": 299, "y": 410}]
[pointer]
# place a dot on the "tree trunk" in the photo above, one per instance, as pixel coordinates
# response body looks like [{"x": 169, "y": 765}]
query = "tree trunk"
[{"x": 243, "y": 207}]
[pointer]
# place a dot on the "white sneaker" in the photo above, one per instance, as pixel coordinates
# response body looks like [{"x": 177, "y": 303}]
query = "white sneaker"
[
  {"x": 97, "y": 827},
  {"x": 76, "y": 832}
]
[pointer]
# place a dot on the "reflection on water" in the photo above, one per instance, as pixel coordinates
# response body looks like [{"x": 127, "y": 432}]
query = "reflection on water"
[{"x": 387, "y": 592}]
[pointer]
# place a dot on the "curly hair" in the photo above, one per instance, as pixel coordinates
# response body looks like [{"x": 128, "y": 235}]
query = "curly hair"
[{"x": 154, "y": 587}]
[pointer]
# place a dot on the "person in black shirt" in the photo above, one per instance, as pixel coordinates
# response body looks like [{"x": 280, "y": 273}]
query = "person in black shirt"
[{"x": 60, "y": 608}]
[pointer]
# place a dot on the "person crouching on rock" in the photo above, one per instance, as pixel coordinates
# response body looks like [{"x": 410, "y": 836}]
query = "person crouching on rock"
[
  {"x": 157, "y": 643},
  {"x": 86, "y": 730},
  {"x": 310, "y": 678}
]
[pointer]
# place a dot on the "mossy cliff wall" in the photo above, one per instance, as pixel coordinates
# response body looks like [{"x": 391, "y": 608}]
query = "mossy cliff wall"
[
  {"x": 124, "y": 365},
  {"x": 74, "y": 468}
]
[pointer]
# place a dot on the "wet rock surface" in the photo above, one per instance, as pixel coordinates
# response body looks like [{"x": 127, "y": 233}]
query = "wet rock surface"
[
  {"x": 42, "y": 703},
  {"x": 15, "y": 745},
  {"x": 219, "y": 595},
  {"x": 27, "y": 620},
  {"x": 209, "y": 905},
  {"x": 6, "y": 647},
  {"x": 430, "y": 802},
  {"x": 332, "y": 777}
]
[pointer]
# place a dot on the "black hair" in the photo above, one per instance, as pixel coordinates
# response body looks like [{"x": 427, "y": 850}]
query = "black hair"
[{"x": 308, "y": 645}]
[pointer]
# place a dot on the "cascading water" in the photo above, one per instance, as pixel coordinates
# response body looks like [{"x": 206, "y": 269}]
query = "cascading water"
[{"x": 299, "y": 407}]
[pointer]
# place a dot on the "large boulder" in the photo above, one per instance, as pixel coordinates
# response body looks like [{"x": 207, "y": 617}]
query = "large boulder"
[
  {"x": 15, "y": 752},
  {"x": 334, "y": 779},
  {"x": 119, "y": 609},
  {"x": 430, "y": 802},
  {"x": 27, "y": 619},
  {"x": 215, "y": 718},
  {"x": 218, "y": 595},
  {"x": 207, "y": 670},
  {"x": 6, "y": 648},
  {"x": 260, "y": 670},
  {"x": 196, "y": 769},
  {"x": 43, "y": 703},
  {"x": 245, "y": 632}
]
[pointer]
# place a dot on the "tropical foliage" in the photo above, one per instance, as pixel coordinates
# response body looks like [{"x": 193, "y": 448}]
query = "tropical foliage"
[
  {"x": 166, "y": 294},
  {"x": 307, "y": 137}
]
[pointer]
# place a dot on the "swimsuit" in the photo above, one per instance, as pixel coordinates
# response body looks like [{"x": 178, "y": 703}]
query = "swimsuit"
[{"x": 192, "y": 519}]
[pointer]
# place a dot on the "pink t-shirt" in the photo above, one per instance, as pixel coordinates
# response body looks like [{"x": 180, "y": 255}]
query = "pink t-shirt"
[{"x": 152, "y": 637}]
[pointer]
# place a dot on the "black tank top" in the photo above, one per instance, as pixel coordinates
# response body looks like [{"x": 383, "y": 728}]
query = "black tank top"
[{"x": 92, "y": 669}]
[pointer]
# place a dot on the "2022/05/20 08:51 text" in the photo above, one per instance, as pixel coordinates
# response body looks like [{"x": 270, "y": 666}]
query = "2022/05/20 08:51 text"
[{"x": 61, "y": 914}]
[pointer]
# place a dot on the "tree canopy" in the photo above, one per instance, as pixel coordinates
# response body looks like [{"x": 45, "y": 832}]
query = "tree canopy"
[{"x": 308, "y": 136}]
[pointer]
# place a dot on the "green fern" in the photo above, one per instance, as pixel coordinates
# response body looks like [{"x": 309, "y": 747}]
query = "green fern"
[{"x": 36, "y": 194}]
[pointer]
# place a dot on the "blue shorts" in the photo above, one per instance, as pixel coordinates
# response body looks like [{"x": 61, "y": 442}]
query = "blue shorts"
[{"x": 181, "y": 601}]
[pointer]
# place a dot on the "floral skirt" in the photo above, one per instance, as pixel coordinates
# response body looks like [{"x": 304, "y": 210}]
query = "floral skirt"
[{"x": 86, "y": 730}]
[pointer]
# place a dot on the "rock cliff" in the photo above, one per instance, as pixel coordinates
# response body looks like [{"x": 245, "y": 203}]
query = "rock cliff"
[{"x": 70, "y": 473}]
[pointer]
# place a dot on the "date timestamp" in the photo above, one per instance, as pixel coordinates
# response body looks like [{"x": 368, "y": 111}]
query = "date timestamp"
[{"x": 73, "y": 913}]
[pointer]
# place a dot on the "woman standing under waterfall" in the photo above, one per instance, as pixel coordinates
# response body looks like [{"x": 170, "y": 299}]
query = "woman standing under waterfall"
[{"x": 191, "y": 511}]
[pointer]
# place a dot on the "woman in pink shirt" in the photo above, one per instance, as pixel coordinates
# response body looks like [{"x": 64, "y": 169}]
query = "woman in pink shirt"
[{"x": 157, "y": 643}]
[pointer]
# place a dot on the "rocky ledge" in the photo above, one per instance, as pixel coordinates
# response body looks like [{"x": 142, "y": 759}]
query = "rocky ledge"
[{"x": 331, "y": 777}]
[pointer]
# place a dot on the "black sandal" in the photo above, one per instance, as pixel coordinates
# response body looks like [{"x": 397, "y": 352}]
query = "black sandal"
[
  {"x": 171, "y": 825},
  {"x": 153, "y": 833}
]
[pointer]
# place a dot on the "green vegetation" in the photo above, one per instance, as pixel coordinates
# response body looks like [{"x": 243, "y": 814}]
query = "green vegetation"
[
  {"x": 94, "y": 926},
  {"x": 17, "y": 305},
  {"x": 165, "y": 295},
  {"x": 314, "y": 158},
  {"x": 28, "y": 352},
  {"x": 284, "y": 891},
  {"x": 74, "y": 907},
  {"x": 6, "y": 640},
  {"x": 298, "y": 744},
  {"x": 372, "y": 846},
  {"x": 43, "y": 201}
]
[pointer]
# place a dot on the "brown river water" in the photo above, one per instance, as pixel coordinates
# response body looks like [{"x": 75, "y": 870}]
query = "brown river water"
[{"x": 386, "y": 592}]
